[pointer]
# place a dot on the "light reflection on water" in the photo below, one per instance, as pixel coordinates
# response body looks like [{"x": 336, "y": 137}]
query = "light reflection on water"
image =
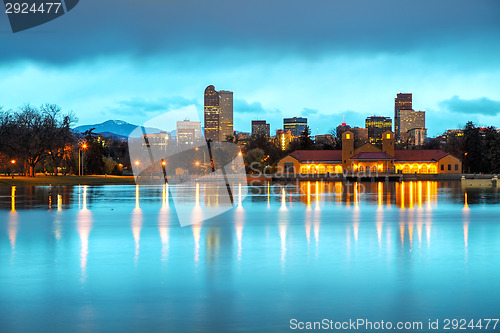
[{"x": 115, "y": 258}]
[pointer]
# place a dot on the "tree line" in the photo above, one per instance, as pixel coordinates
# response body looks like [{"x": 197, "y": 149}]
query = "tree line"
[{"x": 40, "y": 139}]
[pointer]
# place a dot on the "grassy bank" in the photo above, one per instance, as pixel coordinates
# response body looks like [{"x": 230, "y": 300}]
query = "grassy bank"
[{"x": 67, "y": 180}]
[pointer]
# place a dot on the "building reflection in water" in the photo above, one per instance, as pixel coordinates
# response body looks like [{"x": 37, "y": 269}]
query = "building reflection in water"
[
  {"x": 317, "y": 213},
  {"x": 13, "y": 223},
  {"x": 137, "y": 224},
  {"x": 57, "y": 219},
  {"x": 84, "y": 225},
  {"x": 283, "y": 199},
  {"x": 466, "y": 224},
  {"x": 196, "y": 235},
  {"x": 380, "y": 212},
  {"x": 283, "y": 225},
  {"x": 163, "y": 222},
  {"x": 239, "y": 222}
]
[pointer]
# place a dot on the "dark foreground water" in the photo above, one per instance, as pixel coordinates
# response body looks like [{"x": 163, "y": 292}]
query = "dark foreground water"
[{"x": 115, "y": 259}]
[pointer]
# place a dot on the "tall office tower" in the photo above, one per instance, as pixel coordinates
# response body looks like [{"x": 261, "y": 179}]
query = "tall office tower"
[
  {"x": 226, "y": 114},
  {"x": 212, "y": 113},
  {"x": 408, "y": 120},
  {"x": 401, "y": 102},
  {"x": 188, "y": 132},
  {"x": 218, "y": 114},
  {"x": 376, "y": 126},
  {"x": 295, "y": 125},
  {"x": 260, "y": 127}
]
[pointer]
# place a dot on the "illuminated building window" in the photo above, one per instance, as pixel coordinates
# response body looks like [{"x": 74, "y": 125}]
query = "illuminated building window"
[
  {"x": 388, "y": 136},
  {"x": 348, "y": 136},
  {"x": 303, "y": 169}
]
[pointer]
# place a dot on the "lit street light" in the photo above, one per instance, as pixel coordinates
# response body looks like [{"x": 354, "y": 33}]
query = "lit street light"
[
  {"x": 80, "y": 165},
  {"x": 197, "y": 148}
]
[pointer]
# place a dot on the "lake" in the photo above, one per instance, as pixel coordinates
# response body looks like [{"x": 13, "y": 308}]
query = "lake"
[{"x": 115, "y": 258}]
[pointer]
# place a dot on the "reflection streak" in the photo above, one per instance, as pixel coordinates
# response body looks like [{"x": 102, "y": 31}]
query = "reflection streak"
[{"x": 84, "y": 225}]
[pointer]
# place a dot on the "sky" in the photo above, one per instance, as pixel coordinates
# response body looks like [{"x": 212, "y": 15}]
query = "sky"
[{"x": 133, "y": 60}]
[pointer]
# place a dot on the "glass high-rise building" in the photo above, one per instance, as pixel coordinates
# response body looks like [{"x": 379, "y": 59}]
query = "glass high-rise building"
[
  {"x": 295, "y": 125},
  {"x": 218, "y": 112},
  {"x": 403, "y": 101},
  {"x": 226, "y": 114},
  {"x": 409, "y": 120},
  {"x": 376, "y": 126}
]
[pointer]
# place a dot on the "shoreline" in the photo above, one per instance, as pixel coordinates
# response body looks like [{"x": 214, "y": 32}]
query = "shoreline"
[{"x": 42, "y": 180}]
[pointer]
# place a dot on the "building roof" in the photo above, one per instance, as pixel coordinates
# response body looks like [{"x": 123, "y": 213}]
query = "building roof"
[
  {"x": 317, "y": 155},
  {"x": 419, "y": 155},
  {"x": 379, "y": 156}
]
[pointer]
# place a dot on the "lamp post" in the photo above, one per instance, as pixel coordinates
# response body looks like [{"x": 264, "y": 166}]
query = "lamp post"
[
  {"x": 80, "y": 165},
  {"x": 197, "y": 148},
  {"x": 13, "y": 162}
]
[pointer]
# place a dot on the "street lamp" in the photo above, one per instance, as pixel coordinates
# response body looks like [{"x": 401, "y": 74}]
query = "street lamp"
[
  {"x": 197, "y": 148},
  {"x": 197, "y": 163},
  {"x": 80, "y": 165}
]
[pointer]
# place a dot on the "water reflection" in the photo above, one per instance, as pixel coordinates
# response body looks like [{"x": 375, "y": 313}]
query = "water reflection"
[
  {"x": 84, "y": 226},
  {"x": 137, "y": 224},
  {"x": 413, "y": 202},
  {"x": 372, "y": 238},
  {"x": 13, "y": 222},
  {"x": 163, "y": 222}
]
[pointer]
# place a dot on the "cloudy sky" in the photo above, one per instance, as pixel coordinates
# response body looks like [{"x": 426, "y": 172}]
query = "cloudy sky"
[{"x": 135, "y": 59}]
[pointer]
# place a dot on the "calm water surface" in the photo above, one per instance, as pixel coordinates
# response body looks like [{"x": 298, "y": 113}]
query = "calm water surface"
[{"x": 115, "y": 259}]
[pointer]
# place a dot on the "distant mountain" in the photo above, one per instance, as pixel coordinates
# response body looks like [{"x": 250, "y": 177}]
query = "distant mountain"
[{"x": 117, "y": 128}]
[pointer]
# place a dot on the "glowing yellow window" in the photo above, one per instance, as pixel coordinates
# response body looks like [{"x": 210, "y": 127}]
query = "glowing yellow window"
[
  {"x": 388, "y": 136},
  {"x": 303, "y": 169},
  {"x": 348, "y": 136}
]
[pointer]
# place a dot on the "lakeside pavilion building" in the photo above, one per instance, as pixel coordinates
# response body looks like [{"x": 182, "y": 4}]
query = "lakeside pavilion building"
[{"x": 370, "y": 158}]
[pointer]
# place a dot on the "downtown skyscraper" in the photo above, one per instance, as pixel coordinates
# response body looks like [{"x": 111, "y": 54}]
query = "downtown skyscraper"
[
  {"x": 218, "y": 114},
  {"x": 401, "y": 102},
  {"x": 408, "y": 123}
]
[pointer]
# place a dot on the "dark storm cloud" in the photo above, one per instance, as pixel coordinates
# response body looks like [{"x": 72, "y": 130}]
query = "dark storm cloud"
[
  {"x": 481, "y": 106},
  {"x": 280, "y": 28}
]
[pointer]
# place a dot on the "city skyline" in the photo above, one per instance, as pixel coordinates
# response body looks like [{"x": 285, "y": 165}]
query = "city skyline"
[{"x": 322, "y": 68}]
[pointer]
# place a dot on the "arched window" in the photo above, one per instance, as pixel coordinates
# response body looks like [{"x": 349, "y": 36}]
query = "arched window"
[
  {"x": 406, "y": 168},
  {"x": 338, "y": 169}
]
